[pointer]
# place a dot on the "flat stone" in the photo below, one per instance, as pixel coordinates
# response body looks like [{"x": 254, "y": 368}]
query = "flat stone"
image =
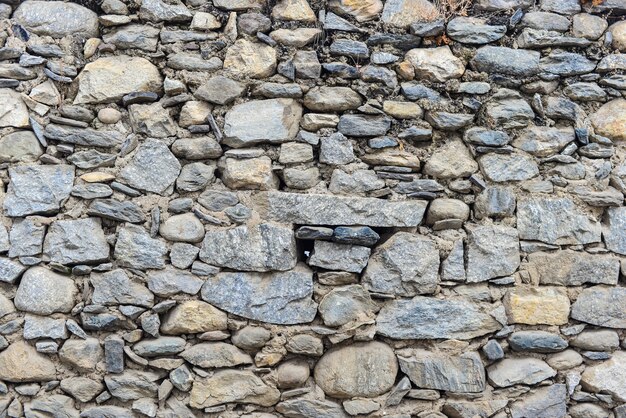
[
  {"x": 543, "y": 141},
  {"x": 334, "y": 256},
  {"x": 250, "y": 59},
  {"x": 227, "y": 386},
  {"x": 515, "y": 371},
  {"x": 81, "y": 388},
  {"x": 446, "y": 121},
  {"x": 326, "y": 98},
  {"x": 125, "y": 211},
  {"x": 219, "y": 90},
  {"x": 189, "y": 62},
  {"x": 550, "y": 401},
  {"x": 310, "y": 408},
  {"x": 585, "y": 92},
  {"x": 363, "y": 125},
  {"x": 401, "y": 13},
  {"x": 507, "y": 109},
  {"x": 215, "y": 354},
  {"x": 435, "y": 64},
  {"x": 537, "y": 342},
  {"x": 83, "y": 136},
  {"x": 614, "y": 236},
  {"x": 20, "y": 146},
  {"x": 471, "y": 30},
  {"x": 368, "y": 370},
  {"x": 161, "y": 11},
  {"x": 566, "y": 64},
  {"x": 108, "y": 79},
  {"x": 537, "y": 305},
  {"x": 315, "y": 209},
  {"x": 197, "y": 148},
  {"x": 13, "y": 111},
  {"x": 555, "y": 221},
  {"x": 508, "y": 167},
  {"x": 492, "y": 251},
  {"x": 79, "y": 241},
  {"x": 277, "y": 298},
  {"x": 454, "y": 374},
  {"x": 151, "y": 120},
  {"x": 132, "y": 384},
  {"x": 468, "y": 409},
  {"x": 77, "y": 20},
  {"x": 574, "y": 268},
  {"x": 405, "y": 265},
  {"x": 429, "y": 318},
  {"x": 347, "y": 305},
  {"x": 162, "y": 346},
  {"x": 607, "y": 377},
  {"x": 193, "y": 317},
  {"x": 249, "y": 174},
  {"x": 546, "y": 20},
  {"x": 136, "y": 249},
  {"x": 153, "y": 168},
  {"x": 597, "y": 340},
  {"x": 601, "y": 306},
  {"x": 610, "y": 120},
  {"x": 539, "y": 38},
  {"x": 132, "y": 36},
  {"x": 37, "y": 189},
  {"x": 452, "y": 160},
  {"x": 43, "y": 292},
  {"x": 21, "y": 363},
  {"x": 588, "y": 26},
  {"x": 502, "y": 60},
  {"x": 336, "y": 150},
  {"x": 169, "y": 282},
  {"x": 116, "y": 288}
]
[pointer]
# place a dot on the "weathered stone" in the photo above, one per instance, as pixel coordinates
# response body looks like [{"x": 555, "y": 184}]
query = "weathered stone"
[
  {"x": 278, "y": 298},
  {"x": 311, "y": 408},
  {"x": 193, "y": 317},
  {"x": 514, "y": 371},
  {"x": 79, "y": 241},
  {"x": 610, "y": 121},
  {"x": 20, "y": 146},
  {"x": 77, "y": 20},
  {"x": 38, "y": 189},
  {"x": 507, "y": 109},
  {"x": 297, "y": 38},
  {"x": 194, "y": 177},
  {"x": 267, "y": 247},
  {"x": 452, "y": 160},
  {"x": 363, "y": 125},
  {"x": 492, "y": 251},
  {"x": 550, "y": 401},
  {"x": 116, "y": 288},
  {"x": 455, "y": 374},
  {"x": 153, "y": 168},
  {"x": 608, "y": 377},
  {"x": 249, "y": 174},
  {"x": 125, "y": 211},
  {"x": 136, "y": 249},
  {"x": 405, "y": 265},
  {"x": 159, "y": 11},
  {"x": 83, "y": 136},
  {"x": 132, "y": 384},
  {"x": 368, "y": 370},
  {"x": 435, "y": 64},
  {"x": 597, "y": 340},
  {"x": 83, "y": 355},
  {"x": 213, "y": 355},
  {"x": 20, "y": 363},
  {"x": 251, "y": 337},
  {"x": 347, "y": 305},
  {"x": 588, "y": 26},
  {"x": 512, "y": 167},
  {"x": 614, "y": 236},
  {"x": 334, "y": 256},
  {"x": 542, "y": 141},
  {"x": 43, "y": 292},
  {"x": 429, "y": 318},
  {"x": 108, "y": 79},
  {"x": 182, "y": 228},
  {"x": 473, "y": 30},
  {"x": 537, "y": 342},
  {"x": 602, "y": 306},
  {"x": 468, "y": 409},
  {"x": 151, "y": 120},
  {"x": 133, "y": 36},
  {"x": 81, "y": 388},
  {"x": 515, "y": 62},
  {"x": 574, "y": 268},
  {"x": 336, "y": 150},
  {"x": 219, "y": 90},
  {"x": 325, "y": 99},
  {"x": 10, "y": 270},
  {"x": 161, "y": 346},
  {"x": 250, "y": 59},
  {"x": 232, "y": 386},
  {"x": 537, "y": 305}
]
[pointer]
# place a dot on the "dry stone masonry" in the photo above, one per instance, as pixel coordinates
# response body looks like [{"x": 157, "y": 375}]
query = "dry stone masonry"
[{"x": 313, "y": 208}]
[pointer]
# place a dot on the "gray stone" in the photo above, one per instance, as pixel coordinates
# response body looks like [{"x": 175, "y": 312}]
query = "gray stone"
[
  {"x": 169, "y": 282},
  {"x": 79, "y": 241},
  {"x": 363, "y": 125},
  {"x": 566, "y": 7},
  {"x": 91, "y": 159},
  {"x": 43, "y": 292},
  {"x": 153, "y": 168},
  {"x": 596, "y": 340},
  {"x": 493, "y": 350},
  {"x": 536, "y": 38},
  {"x": 106, "y": 411},
  {"x": 614, "y": 235},
  {"x": 602, "y": 306},
  {"x": 555, "y": 221},
  {"x": 574, "y": 268},
  {"x": 429, "y": 318},
  {"x": 43, "y": 327},
  {"x": 183, "y": 255},
  {"x": 116, "y": 288},
  {"x": 77, "y": 20},
  {"x": 38, "y": 189},
  {"x": 277, "y": 298},
  {"x": 492, "y": 251},
  {"x": 251, "y": 337},
  {"x": 452, "y": 160},
  {"x": 132, "y": 384},
  {"x": 542, "y": 141},
  {"x": 310, "y": 408},
  {"x": 545, "y": 402},
  {"x": 151, "y": 120},
  {"x": 125, "y": 211},
  {"x": 360, "y": 181},
  {"x": 133, "y": 36},
  {"x": 26, "y": 237},
  {"x": 347, "y": 305},
  {"x": 405, "y": 265},
  {"x": 214, "y": 355},
  {"x": 52, "y": 405},
  {"x": 136, "y": 249},
  {"x": 194, "y": 177},
  {"x": 515, "y": 62},
  {"x": 608, "y": 377},
  {"x": 10, "y": 270},
  {"x": 584, "y": 92},
  {"x": 546, "y": 20},
  {"x": 329, "y": 99},
  {"x": 20, "y": 363},
  {"x": 495, "y": 202},
  {"x": 471, "y": 30},
  {"x": 537, "y": 342},
  {"x": 334, "y": 256},
  {"x": 507, "y": 109},
  {"x": 161, "y": 11},
  {"x": 20, "y": 146},
  {"x": 232, "y": 386},
  {"x": 220, "y": 90},
  {"x": 315, "y": 209},
  {"x": 261, "y": 248},
  {"x": 114, "y": 354},
  {"x": 182, "y": 228},
  {"x": 336, "y": 150},
  {"x": 435, "y": 64},
  {"x": 162, "y": 346},
  {"x": 259, "y": 121},
  {"x": 515, "y": 371},
  {"x": 502, "y": 168},
  {"x": 454, "y": 374},
  {"x": 478, "y": 135},
  {"x": 83, "y": 136},
  {"x": 82, "y": 389},
  {"x": 566, "y": 64}
]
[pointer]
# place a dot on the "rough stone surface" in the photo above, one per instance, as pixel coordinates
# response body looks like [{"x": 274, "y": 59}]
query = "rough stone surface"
[{"x": 43, "y": 292}]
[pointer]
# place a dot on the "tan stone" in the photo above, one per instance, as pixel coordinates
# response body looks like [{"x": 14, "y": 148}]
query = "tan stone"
[
  {"x": 227, "y": 386},
  {"x": 296, "y": 10},
  {"x": 607, "y": 377},
  {"x": 20, "y": 363},
  {"x": 292, "y": 373},
  {"x": 392, "y": 157},
  {"x": 296, "y": 37},
  {"x": 402, "y": 110},
  {"x": 194, "y": 113},
  {"x": 204, "y": 21},
  {"x": 97, "y": 177},
  {"x": 316, "y": 121},
  {"x": 435, "y": 64},
  {"x": 239, "y": 5},
  {"x": 618, "y": 30},
  {"x": 405, "y": 70},
  {"x": 361, "y": 10},
  {"x": 249, "y": 174},
  {"x": 610, "y": 120},
  {"x": 250, "y": 59},
  {"x": 109, "y": 115},
  {"x": 401, "y": 13},
  {"x": 452, "y": 160},
  {"x": 192, "y": 317},
  {"x": 537, "y": 305},
  {"x": 13, "y": 110}
]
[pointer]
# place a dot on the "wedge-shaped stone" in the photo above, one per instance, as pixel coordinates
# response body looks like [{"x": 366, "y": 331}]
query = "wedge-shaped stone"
[
  {"x": 83, "y": 136},
  {"x": 405, "y": 265},
  {"x": 76, "y": 241},
  {"x": 213, "y": 355},
  {"x": 20, "y": 363},
  {"x": 132, "y": 384},
  {"x": 430, "y": 318},
  {"x": 515, "y": 371},
  {"x": 277, "y": 298},
  {"x": 574, "y": 268},
  {"x": 315, "y": 209},
  {"x": 492, "y": 251},
  {"x": 602, "y": 306},
  {"x": 116, "y": 288},
  {"x": 607, "y": 377},
  {"x": 263, "y": 247},
  {"x": 537, "y": 305},
  {"x": 153, "y": 168},
  {"x": 228, "y": 386},
  {"x": 456, "y": 374}
]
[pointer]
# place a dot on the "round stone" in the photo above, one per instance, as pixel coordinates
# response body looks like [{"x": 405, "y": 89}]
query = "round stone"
[
  {"x": 292, "y": 374},
  {"x": 362, "y": 369},
  {"x": 109, "y": 115},
  {"x": 182, "y": 228},
  {"x": 618, "y": 30},
  {"x": 610, "y": 120}
]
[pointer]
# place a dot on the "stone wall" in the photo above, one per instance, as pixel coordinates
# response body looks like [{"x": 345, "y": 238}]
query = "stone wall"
[{"x": 322, "y": 209}]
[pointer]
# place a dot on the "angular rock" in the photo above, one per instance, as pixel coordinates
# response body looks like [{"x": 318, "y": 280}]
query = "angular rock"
[
  {"x": 250, "y": 59},
  {"x": 43, "y": 292},
  {"x": 363, "y": 125},
  {"x": 169, "y": 282},
  {"x": 502, "y": 60},
  {"x": 334, "y": 256},
  {"x": 471, "y": 30},
  {"x": 249, "y": 174},
  {"x": 507, "y": 109},
  {"x": 13, "y": 111},
  {"x": 574, "y": 268},
  {"x": 193, "y": 317},
  {"x": 136, "y": 249},
  {"x": 537, "y": 305},
  {"x": 77, "y": 20},
  {"x": 492, "y": 251},
  {"x": 347, "y": 305},
  {"x": 213, "y": 355},
  {"x": 311, "y": 408},
  {"x": 79, "y": 241},
  {"x": 21, "y": 363},
  {"x": 227, "y": 386},
  {"x": 277, "y": 298},
  {"x": 20, "y": 146},
  {"x": 508, "y": 167},
  {"x": 83, "y": 355},
  {"x": 125, "y": 211},
  {"x": 116, "y": 288},
  {"x": 607, "y": 377},
  {"x": 515, "y": 371},
  {"x": 542, "y": 141},
  {"x": 566, "y": 64},
  {"x": 219, "y": 90},
  {"x": 452, "y": 160},
  {"x": 151, "y": 120},
  {"x": 549, "y": 401},
  {"x": 153, "y": 168},
  {"x": 83, "y": 136},
  {"x": 435, "y": 64},
  {"x": 132, "y": 384},
  {"x": 336, "y": 150},
  {"x": 330, "y": 99},
  {"x": 610, "y": 120},
  {"x": 602, "y": 306},
  {"x": 159, "y": 11}
]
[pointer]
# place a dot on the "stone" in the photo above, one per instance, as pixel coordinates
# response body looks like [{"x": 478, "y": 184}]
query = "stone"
[
  {"x": 588, "y": 26},
  {"x": 353, "y": 49},
  {"x": 610, "y": 121},
  {"x": 226, "y": 386},
  {"x": 550, "y": 401},
  {"x": 250, "y": 59},
  {"x": 216, "y": 354},
  {"x": 334, "y": 256},
  {"x": 194, "y": 177},
  {"x": 267, "y": 247},
  {"x": 546, "y": 20},
  {"x": 315, "y": 209},
  {"x": 133, "y": 36},
  {"x": 329, "y": 99},
  {"x": 77, "y": 20},
  {"x": 435, "y": 64},
  {"x": 194, "y": 113},
  {"x": 79, "y": 241},
  {"x": 574, "y": 268},
  {"x": 19, "y": 146},
  {"x": 219, "y": 90},
  {"x": 159, "y": 346},
  {"x": 363, "y": 125},
  {"x": 454, "y": 374},
  {"x": 259, "y": 121},
  {"x": 405, "y": 265},
  {"x": 136, "y": 249},
  {"x": 21, "y": 363},
  {"x": 193, "y": 317},
  {"x": 151, "y": 120},
  {"x": 132, "y": 384},
  {"x": 543, "y": 141},
  {"x": 429, "y": 318},
  {"x": 125, "y": 211},
  {"x": 82, "y": 389},
  {"x": 297, "y": 38},
  {"x": 471, "y": 30},
  {"x": 467, "y": 409},
  {"x": 555, "y": 221},
  {"x": 507, "y": 109},
  {"x": 537, "y": 342},
  {"x": 249, "y": 174},
  {"x": 83, "y": 136},
  {"x": 537, "y": 305},
  {"x": 347, "y": 305},
  {"x": 596, "y": 340},
  {"x": 160, "y": 11},
  {"x": 309, "y": 408},
  {"x": 514, "y": 371},
  {"x": 10, "y": 270},
  {"x": 566, "y": 64},
  {"x": 197, "y": 148},
  {"x": 360, "y": 181},
  {"x": 502, "y": 60},
  {"x": 306, "y": 345},
  {"x": 452, "y": 160},
  {"x": 295, "y": 152},
  {"x": 501, "y": 168},
  {"x": 108, "y": 79},
  {"x": 153, "y": 168},
  {"x": 43, "y": 292},
  {"x": 251, "y": 338},
  {"x": 492, "y": 251},
  {"x": 37, "y": 189},
  {"x": 585, "y": 92},
  {"x": 182, "y": 228},
  {"x": 368, "y": 370},
  {"x": 26, "y": 238},
  {"x": 116, "y": 288},
  {"x": 336, "y": 150},
  {"x": 292, "y": 374},
  {"x": 362, "y": 11},
  {"x": 602, "y": 306},
  {"x": 83, "y": 355},
  {"x": 401, "y": 13},
  {"x": 608, "y": 377},
  {"x": 565, "y": 360},
  {"x": 169, "y": 282},
  {"x": 613, "y": 233},
  {"x": 277, "y": 298}
]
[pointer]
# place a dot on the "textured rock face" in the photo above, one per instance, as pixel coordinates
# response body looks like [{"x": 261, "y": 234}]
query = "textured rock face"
[
  {"x": 38, "y": 17},
  {"x": 44, "y": 292},
  {"x": 21, "y": 363}
]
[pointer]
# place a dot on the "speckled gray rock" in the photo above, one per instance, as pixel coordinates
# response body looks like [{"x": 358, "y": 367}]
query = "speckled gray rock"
[
  {"x": 516, "y": 62},
  {"x": 277, "y": 298},
  {"x": 136, "y": 249},
  {"x": 473, "y": 30},
  {"x": 574, "y": 268},
  {"x": 614, "y": 235},
  {"x": 513, "y": 371},
  {"x": 549, "y": 401},
  {"x": 77, "y": 20},
  {"x": 601, "y": 306},
  {"x": 79, "y": 241},
  {"x": 334, "y": 256},
  {"x": 346, "y": 305},
  {"x": 169, "y": 282},
  {"x": 214, "y": 355},
  {"x": 132, "y": 384},
  {"x": 116, "y": 288},
  {"x": 492, "y": 251},
  {"x": 153, "y": 168},
  {"x": 537, "y": 342},
  {"x": 43, "y": 292},
  {"x": 502, "y": 168}
]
